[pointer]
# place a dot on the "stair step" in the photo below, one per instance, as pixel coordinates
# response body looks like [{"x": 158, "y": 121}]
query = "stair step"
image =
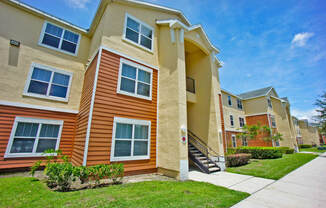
[
  {"x": 214, "y": 169},
  {"x": 201, "y": 158}
]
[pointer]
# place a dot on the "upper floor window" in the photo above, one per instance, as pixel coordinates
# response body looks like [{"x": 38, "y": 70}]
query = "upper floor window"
[
  {"x": 239, "y": 103},
  {"x": 231, "y": 120},
  {"x": 131, "y": 139},
  {"x": 241, "y": 122},
  {"x": 273, "y": 121},
  {"x": 47, "y": 82},
  {"x": 60, "y": 39},
  {"x": 269, "y": 102},
  {"x": 31, "y": 137},
  {"x": 229, "y": 100},
  {"x": 135, "y": 80},
  {"x": 138, "y": 33}
]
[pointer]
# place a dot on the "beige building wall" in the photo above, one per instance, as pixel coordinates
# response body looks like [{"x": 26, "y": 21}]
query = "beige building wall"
[
  {"x": 15, "y": 63},
  {"x": 309, "y": 133},
  {"x": 232, "y": 110},
  {"x": 255, "y": 105}
]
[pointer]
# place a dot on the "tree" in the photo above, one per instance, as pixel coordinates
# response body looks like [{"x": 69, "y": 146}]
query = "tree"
[
  {"x": 321, "y": 117},
  {"x": 252, "y": 132}
]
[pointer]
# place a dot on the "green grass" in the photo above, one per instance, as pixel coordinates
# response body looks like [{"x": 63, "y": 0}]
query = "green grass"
[
  {"x": 273, "y": 168},
  {"x": 27, "y": 192},
  {"x": 313, "y": 149}
]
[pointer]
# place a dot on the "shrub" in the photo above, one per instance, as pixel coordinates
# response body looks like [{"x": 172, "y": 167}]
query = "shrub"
[
  {"x": 82, "y": 173},
  {"x": 237, "y": 159},
  {"x": 305, "y": 145},
  {"x": 261, "y": 152},
  {"x": 322, "y": 148},
  {"x": 117, "y": 173},
  {"x": 60, "y": 174},
  {"x": 289, "y": 151},
  {"x": 231, "y": 151},
  {"x": 283, "y": 149}
]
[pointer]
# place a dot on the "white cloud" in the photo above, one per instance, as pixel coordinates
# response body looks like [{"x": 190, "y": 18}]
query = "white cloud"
[
  {"x": 308, "y": 114},
  {"x": 79, "y": 4},
  {"x": 301, "y": 39}
]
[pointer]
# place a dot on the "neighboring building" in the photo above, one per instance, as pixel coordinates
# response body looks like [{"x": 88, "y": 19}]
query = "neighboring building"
[
  {"x": 297, "y": 130},
  {"x": 310, "y": 134},
  {"x": 259, "y": 106},
  {"x": 125, "y": 90}
]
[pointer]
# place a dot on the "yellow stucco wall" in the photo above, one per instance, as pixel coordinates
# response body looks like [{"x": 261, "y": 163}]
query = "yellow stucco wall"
[{"x": 13, "y": 77}]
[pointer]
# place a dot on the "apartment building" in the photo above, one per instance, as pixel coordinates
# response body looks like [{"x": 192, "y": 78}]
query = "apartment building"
[
  {"x": 310, "y": 134},
  {"x": 297, "y": 130},
  {"x": 262, "y": 106},
  {"x": 128, "y": 89}
]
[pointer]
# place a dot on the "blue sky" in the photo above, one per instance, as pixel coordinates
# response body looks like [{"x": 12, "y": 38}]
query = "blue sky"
[{"x": 279, "y": 43}]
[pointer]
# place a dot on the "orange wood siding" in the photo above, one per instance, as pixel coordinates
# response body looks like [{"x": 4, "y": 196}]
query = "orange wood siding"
[
  {"x": 109, "y": 104},
  {"x": 82, "y": 118},
  {"x": 7, "y": 118},
  {"x": 263, "y": 120}
]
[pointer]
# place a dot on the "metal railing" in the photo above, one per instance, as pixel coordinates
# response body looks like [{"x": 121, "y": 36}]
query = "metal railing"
[
  {"x": 211, "y": 155},
  {"x": 190, "y": 85}
]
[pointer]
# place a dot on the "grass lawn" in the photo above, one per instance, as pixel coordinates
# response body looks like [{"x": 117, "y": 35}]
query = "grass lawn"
[
  {"x": 313, "y": 149},
  {"x": 28, "y": 192},
  {"x": 273, "y": 168}
]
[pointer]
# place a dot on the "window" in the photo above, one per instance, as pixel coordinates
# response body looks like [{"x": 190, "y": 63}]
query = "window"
[
  {"x": 244, "y": 141},
  {"x": 277, "y": 143},
  {"x": 273, "y": 121},
  {"x": 31, "y": 137},
  {"x": 239, "y": 103},
  {"x": 138, "y": 33},
  {"x": 241, "y": 122},
  {"x": 47, "y": 82},
  {"x": 58, "y": 38},
  {"x": 229, "y": 100},
  {"x": 231, "y": 120},
  {"x": 135, "y": 80},
  {"x": 234, "y": 141},
  {"x": 130, "y": 139},
  {"x": 269, "y": 102}
]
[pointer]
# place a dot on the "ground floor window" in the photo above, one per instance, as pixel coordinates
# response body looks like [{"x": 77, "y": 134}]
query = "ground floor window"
[
  {"x": 31, "y": 137},
  {"x": 234, "y": 141},
  {"x": 130, "y": 139},
  {"x": 277, "y": 143},
  {"x": 244, "y": 141}
]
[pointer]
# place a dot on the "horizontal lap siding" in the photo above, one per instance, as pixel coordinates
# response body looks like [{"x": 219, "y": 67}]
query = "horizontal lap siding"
[
  {"x": 7, "y": 118},
  {"x": 82, "y": 118},
  {"x": 254, "y": 120},
  {"x": 108, "y": 104}
]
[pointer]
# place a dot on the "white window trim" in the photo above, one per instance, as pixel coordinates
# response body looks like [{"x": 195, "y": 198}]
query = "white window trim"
[
  {"x": 235, "y": 139},
  {"x": 239, "y": 101},
  {"x": 32, "y": 120},
  {"x": 232, "y": 125},
  {"x": 269, "y": 106},
  {"x": 230, "y": 100},
  {"x": 124, "y": 61},
  {"x": 133, "y": 122},
  {"x": 244, "y": 122},
  {"x": 141, "y": 23},
  {"x": 54, "y": 48},
  {"x": 273, "y": 118},
  {"x": 28, "y": 81}
]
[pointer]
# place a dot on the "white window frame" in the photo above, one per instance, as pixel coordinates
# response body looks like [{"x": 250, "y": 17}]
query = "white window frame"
[
  {"x": 246, "y": 141},
  {"x": 229, "y": 100},
  {"x": 141, "y": 23},
  {"x": 138, "y": 66},
  {"x": 269, "y": 103},
  {"x": 32, "y": 120},
  {"x": 133, "y": 122},
  {"x": 239, "y": 104},
  {"x": 232, "y": 120},
  {"x": 273, "y": 118},
  {"x": 234, "y": 142},
  {"x": 244, "y": 123},
  {"x": 47, "y": 96},
  {"x": 61, "y": 38}
]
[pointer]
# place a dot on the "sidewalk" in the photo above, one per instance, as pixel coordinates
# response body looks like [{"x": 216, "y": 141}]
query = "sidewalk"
[
  {"x": 244, "y": 183},
  {"x": 305, "y": 187}
]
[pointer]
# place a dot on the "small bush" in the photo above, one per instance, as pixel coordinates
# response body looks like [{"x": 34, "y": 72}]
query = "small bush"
[
  {"x": 283, "y": 149},
  {"x": 237, "y": 159},
  {"x": 289, "y": 151},
  {"x": 322, "y": 148},
  {"x": 231, "y": 151},
  {"x": 261, "y": 152},
  {"x": 305, "y": 145}
]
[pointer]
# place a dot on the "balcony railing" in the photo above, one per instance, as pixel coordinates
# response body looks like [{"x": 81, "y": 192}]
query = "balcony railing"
[{"x": 190, "y": 85}]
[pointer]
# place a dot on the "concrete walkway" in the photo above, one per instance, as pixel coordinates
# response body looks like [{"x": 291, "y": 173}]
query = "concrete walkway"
[
  {"x": 305, "y": 187},
  {"x": 244, "y": 183}
]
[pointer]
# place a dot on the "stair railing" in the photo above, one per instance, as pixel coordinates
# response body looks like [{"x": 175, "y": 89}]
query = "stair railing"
[{"x": 211, "y": 155}]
